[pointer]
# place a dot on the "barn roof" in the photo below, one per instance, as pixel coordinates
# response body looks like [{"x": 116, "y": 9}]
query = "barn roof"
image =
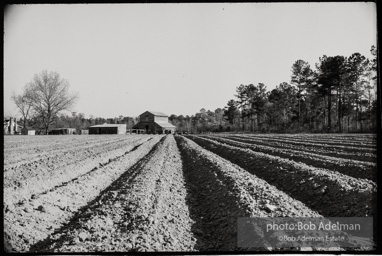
[
  {"x": 107, "y": 125},
  {"x": 155, "y": 113},
  {"x": 165, "y": 124}
]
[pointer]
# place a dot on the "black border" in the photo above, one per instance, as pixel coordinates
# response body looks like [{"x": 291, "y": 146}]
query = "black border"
[{"x": 377, "y": 232}]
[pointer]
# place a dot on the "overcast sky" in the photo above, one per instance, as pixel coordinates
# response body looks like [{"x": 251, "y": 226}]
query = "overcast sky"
[{"x": 124, "y": 59}]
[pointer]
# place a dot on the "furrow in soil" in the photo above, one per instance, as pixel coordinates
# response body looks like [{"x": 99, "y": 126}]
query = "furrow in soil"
[
  {"x": 143, "y": 210},
  {"x": 35, "y": 218},
  {"x": 306, "y": 147},
  {"x": 356, "y": 169},
  {"x": 37, "y": 180},
  {"x": 330, "y": 193},
  {"x": 219, "y": 192}
]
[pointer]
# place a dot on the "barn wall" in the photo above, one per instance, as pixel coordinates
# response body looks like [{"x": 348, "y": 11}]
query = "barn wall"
[
  {"x": 142, "y": 125},
  {"x": 109, "y": 130},
  {"x": 93, "y": 130},
  {"x": 142, "y": 117}
]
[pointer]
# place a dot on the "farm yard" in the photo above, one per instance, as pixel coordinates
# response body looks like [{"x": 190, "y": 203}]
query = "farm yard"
[{"x": 120, "y": 193}]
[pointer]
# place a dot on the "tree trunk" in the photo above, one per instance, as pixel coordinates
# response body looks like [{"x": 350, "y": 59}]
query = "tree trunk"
[
  {"x": 355, "y": 121},
  {"x": 253, "y": 124},
  {"x": 306, "y": 120},
  {"x": 48, "y": 120},
  {"x": 339, "y": 112},
  {"x": 257, "y": 121},
  {"x": 357, "y": 109},
  {"x": 299, "y": 114},
  {"x": 369, "y": 108},
  {"x": 324, "y": 121},
  {"x": 329, "y": 111}
]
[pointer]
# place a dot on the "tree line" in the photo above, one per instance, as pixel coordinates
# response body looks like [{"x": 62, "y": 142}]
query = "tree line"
[{"x": 339, "y": 95}]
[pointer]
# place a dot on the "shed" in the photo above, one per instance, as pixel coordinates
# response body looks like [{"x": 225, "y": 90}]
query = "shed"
[
  {"x": 154, "y": 122},
  {"x": 108, "y": 129},
  {"x": 57, "y": 131},
  {"x": 28, "y": 131},
  {"x": 83, "y": 132}
]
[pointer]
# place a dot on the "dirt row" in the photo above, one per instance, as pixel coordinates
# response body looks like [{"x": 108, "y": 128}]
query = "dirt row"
[
  {"x": 171, "y": 193},
  {"x": 21, "y": 145},
  {"x": 354, "y": 168},
  {"x": 35, "y": 217},
  {"x": 348, "y": 146},
  {"x": 329, "y": 193},
  {"x": 144, "y": 210},
  {"x": 57, "y": 168},
  {"x": 173, "y": 201},
  {"x": 62, "y": 148},
  {"x": 219, "y": 192},
  {"x": 18, "y": 142},
  {"x": 356, "y": 140},
  {"x": 309, "y": 147}
]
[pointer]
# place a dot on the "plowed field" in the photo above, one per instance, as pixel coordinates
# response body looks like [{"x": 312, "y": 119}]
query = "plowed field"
[{"x": 121, "y": 193}]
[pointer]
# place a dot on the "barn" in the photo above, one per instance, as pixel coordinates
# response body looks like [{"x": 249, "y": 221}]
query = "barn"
[
  {"x": 108, "y": 129},
  {"x": 154, "y": 122}
]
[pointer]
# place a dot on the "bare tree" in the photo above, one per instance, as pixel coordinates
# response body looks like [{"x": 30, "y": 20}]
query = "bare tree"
[
  {"x": 24, "y": 104},
  {"x": 49, "y": 94}
]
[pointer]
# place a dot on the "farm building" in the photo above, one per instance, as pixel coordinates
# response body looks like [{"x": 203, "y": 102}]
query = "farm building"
[
  {"x": 108, "y": 129},
  {"x": 57, "y": 131},
  {"x": 154, "y": 122},
  {"x": 83, "y": 132},
  {"x": 11, "y": 126},
  {"x": 28, "y": 131}
]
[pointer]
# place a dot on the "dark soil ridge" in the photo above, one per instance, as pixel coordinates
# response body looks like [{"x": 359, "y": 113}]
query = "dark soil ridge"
[
  {"x": 33, "y": 220},
  {"x": 331, "y": 143},
  {"x": 330, "y": 193},
  {"x": 359, "y": 156},
  {"x": 219, "y": 192},
  {"x": 353, "y": 168},
  {"x": 143, "y": 210}
]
